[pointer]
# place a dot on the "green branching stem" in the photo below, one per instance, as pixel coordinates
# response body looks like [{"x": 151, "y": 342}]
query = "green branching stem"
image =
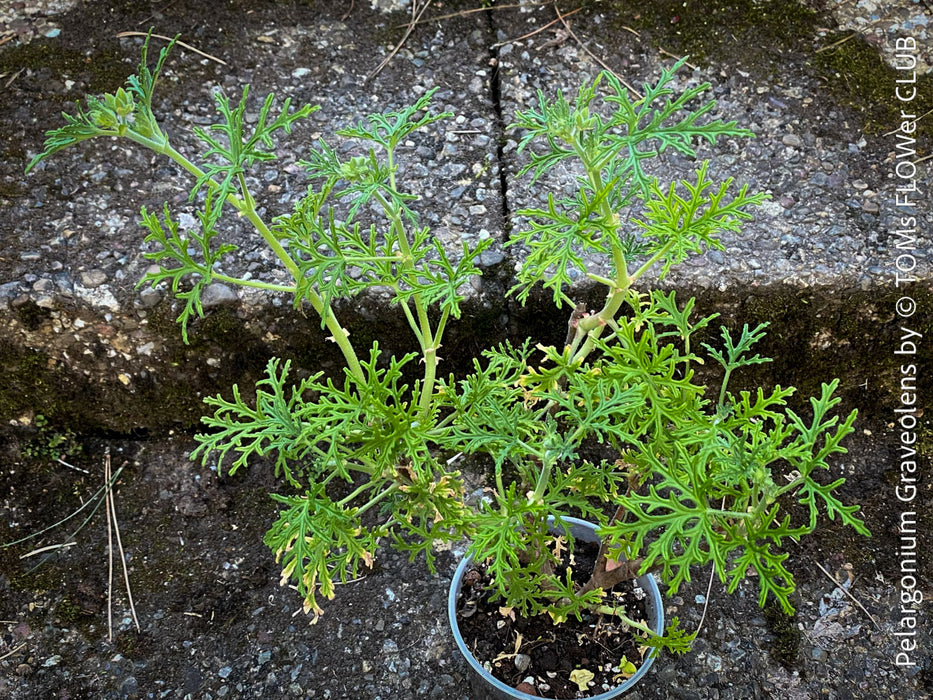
[
  {"x": 255, "y": 284},
  {"x": 246, "y": 207},
  {"x": 544, "y": 478},
  {"x": 385, "y": 493},
  {"x": 591, "y": 328},
  {"x": 620, "y": 613},
  {"x": 430, "y": 343}
]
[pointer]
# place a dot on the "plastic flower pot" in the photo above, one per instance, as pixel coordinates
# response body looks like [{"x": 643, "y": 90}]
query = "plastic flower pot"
[{"x": 485, "y": 686}]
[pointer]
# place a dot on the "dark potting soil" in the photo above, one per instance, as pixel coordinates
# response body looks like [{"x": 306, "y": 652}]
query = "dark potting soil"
[{"x": 596, "y": 643}]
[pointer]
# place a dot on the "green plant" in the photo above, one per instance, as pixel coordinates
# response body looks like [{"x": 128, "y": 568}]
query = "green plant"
[
  {"x": 50, "y": 443},
  {"x": 702, "y": 471}
]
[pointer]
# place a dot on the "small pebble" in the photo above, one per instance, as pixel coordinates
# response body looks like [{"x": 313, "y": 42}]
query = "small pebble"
[
  {"x": 93, "y": 278},
  {"x": 522, "y": 662},
  {"x": 217, "y": 294},
  {"x": 149, "y": 297}
]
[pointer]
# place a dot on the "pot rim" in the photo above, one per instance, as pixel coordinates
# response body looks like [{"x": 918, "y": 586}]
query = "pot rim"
[{"x": 647, "y": 582}]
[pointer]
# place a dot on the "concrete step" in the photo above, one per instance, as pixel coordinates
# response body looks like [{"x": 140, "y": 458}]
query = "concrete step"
[{"x": 80, "y": 342}]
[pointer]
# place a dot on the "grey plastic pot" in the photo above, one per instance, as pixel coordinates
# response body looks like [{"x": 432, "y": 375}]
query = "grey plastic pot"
[{"x": 487, "y": 687}]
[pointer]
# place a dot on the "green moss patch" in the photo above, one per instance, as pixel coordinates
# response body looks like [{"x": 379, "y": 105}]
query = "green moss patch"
[
  {"x": 741, "y": 32},
  {"x": 856, "y": 73},
  {"x": 105, "y": 71},
  {"x": 777, "y": 39}
]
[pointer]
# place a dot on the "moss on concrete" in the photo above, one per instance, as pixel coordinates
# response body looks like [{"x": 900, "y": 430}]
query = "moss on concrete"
[
  {"x": 715, "y": 30},
  {"x": 105, "y": 73},
  {"x": 856, "y": 73},
  {"x": 767, "y": 37},
  {"x": 786, "y": 635}
]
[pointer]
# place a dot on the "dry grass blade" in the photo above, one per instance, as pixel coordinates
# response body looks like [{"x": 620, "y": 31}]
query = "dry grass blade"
[
  {"x": 416, "y": 13},
  {"x": 846, "y": 591},
  {"x": 13, "y": 651},
  {"x": 71, "y": 466},
  {"x": 593, "y": 55},
  {"x": 96, "y": 500},
  {"x": 122, "y": 35},
  {"x": 536, "y": 31},
  {"x": 837, "y": 43},
  {"x": 894, "y": 131},
  {"x": 109, "y": 551},
  {"x": 464, "y": 13},
  {"x": 49, "y": 548},
  {"x": 675, "y": 57},
  {"x": 15, "y": 76},
  {"x": 709, "y": 588},
  {"x": 112, "y": 510}
]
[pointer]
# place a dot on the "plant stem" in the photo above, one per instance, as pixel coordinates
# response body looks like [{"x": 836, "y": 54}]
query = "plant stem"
[
  {"x": 722, "y": 389},
  {"x": 248, "y": 210},
  {"x": 544, "y": 477},
  {"x": 378, "y": 497},
  {"x": 592, "y": 327},
  {"x": 429, "y": 343},
  {"x": 255, "y": 284},
  {"x": 620, "y": 613}
]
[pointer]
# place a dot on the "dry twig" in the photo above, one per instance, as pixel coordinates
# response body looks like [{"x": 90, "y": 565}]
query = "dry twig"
[
  {"x": 464, "y": 13},
  {"x": 592, "y": 55},
  {"x": 71, "y": 466},
  {"x": 112, "y": 510},
  {"x": 837, "y": 43},
  {"x": 416, "y": 13},
  {"x": 16, "y": 650},
  {"x": 109, "y": 550},
  {"x": 844, "y": 590},
  {"x": 709, "y": 588},
  {"x": 675, "y": 57},
  {"x": 122, "y": 35},
  {"x": 536, "y": 31},
  {"x": 15, "y": 76},
  {"x": 48, "y": 548},
  {"x": 894, "y": 131}
]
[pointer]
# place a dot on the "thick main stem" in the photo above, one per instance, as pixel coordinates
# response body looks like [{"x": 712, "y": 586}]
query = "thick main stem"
[{"x": 591, "y": 328}]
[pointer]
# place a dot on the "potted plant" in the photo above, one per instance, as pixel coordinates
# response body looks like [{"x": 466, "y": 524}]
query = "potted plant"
[{"x": 613, "y": 425}]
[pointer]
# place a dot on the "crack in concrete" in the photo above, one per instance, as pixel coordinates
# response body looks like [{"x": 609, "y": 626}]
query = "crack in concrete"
[{"x": 495, "y": 96}]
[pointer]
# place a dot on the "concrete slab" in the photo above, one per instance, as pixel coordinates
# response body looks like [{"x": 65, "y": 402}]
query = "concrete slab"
[
  {"x": 74, "y": 253},
  {"x": 79, "y": 340}
]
